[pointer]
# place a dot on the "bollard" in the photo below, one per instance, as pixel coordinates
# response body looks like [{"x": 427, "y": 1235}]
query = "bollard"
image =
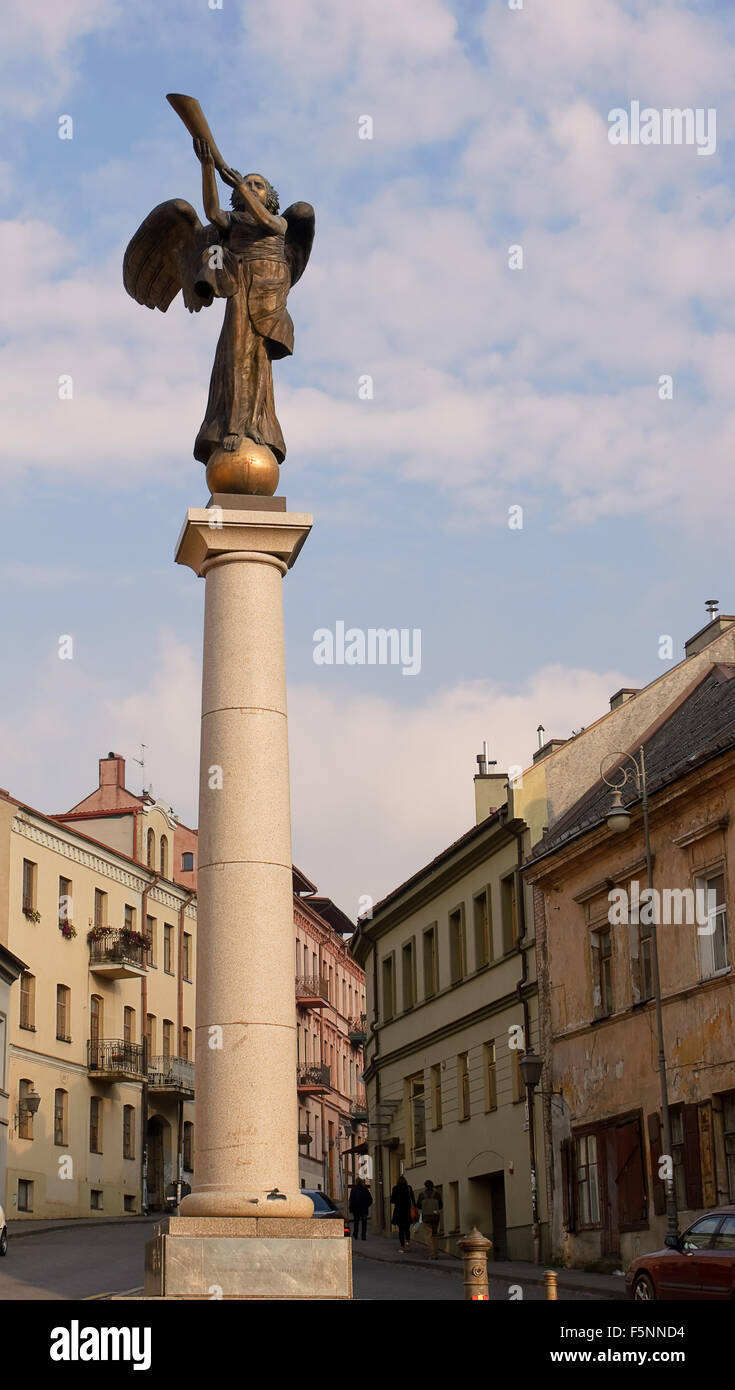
[
  {"x": 475, "y": 1249},
  {"x": 550, "y": 1278}
]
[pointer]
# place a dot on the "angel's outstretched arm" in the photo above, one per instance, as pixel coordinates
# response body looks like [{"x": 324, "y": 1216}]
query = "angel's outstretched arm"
[
  {"x": 258, "y": 209},
  {"x": 210, "y": 197}
]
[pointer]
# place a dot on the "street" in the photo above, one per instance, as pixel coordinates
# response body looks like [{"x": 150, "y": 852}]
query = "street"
[{"x": 92, "y": 1261}]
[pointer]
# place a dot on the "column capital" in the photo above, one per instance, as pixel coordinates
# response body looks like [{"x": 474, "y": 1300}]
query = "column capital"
[{"x": 210, "y": 532}]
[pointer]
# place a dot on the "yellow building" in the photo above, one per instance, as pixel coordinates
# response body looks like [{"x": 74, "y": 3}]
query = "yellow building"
[{"x": 102, "y": 1025}]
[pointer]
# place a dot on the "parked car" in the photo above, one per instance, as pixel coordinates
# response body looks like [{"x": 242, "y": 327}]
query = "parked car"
[
  {"x": 698, "y": 1264},
  {"x": 325, "y": 1207},
  {"x": 3, "y": 1233}
]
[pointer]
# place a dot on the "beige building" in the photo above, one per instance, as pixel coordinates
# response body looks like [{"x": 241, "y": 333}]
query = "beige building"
[
  {"x": 102, "y": 1027},
  {"x": 10, "y": 969}
]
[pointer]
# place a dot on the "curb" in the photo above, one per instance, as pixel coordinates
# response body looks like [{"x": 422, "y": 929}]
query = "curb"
[
  {"x": 603, "y": 1295},
  {"x": 28, "y": 1228}
]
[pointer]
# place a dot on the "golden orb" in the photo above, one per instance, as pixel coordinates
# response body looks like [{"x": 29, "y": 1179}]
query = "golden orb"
[{"x": 248, "y": 468}]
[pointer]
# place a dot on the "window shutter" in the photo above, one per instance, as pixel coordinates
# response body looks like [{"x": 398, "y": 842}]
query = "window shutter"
[
  {"x": 568, "y": 1179},
  {"x": 654, "y": 1142},
  {"x": 632, "y": 1200},
  {"x": 692, "y": 1166}
]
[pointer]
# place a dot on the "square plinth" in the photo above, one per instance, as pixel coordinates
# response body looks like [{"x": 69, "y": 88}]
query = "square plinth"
[{"x": 246, "y": 1258}]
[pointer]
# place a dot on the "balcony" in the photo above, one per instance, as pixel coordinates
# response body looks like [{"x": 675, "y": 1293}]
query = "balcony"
[
  {"x": 313, "y": 1081},
  {"x": 312, "y": 992},
  {"x": 117, "y": 954},
  {"x": 358, "y": 1109},
  {"x": 174, "y": 1075},
  {"x": 357, "y": 1030},
  {"x": 112, "y": 1059}
]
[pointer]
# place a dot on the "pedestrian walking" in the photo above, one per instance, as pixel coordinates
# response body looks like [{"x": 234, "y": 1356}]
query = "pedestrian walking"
[
  {"x": 361, "y": 1201},
  {"x": 430, "y": 1205},
  {"x": 404, "y": 1211}
]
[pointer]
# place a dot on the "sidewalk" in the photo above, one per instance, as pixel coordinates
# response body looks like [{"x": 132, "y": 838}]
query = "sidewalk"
[
  {"x": 18, "y": 1229},
  {"x": 386, "y": 1250}
]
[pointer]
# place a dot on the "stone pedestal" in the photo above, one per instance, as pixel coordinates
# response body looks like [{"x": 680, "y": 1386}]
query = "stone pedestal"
[
  {"x": 236, "y": 1258},
  {"x": 246, "y": 1116}
]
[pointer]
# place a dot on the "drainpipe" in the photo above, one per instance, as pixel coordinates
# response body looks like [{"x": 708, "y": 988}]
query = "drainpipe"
[
  {"x": 520, "y": 984},
  {"x": 144, "y": 1035},
  {"x": 180, "y": 1035},
  {"x": 378, "y": 1151}
]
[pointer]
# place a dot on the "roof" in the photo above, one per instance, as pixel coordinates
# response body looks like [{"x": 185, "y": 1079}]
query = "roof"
[{"x": 697, "y": 730}]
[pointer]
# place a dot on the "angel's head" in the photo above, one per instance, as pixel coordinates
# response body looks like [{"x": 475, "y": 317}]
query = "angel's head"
[{"x": 260, "y": 188}]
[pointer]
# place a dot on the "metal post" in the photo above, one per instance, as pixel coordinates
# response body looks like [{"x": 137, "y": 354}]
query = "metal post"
[
  {"x": 475, "y": 1249},
  {"x": 550, "y": 1279},
  {"x": 672, "y": 1220},
  {"x": 535, "y": 1228}
]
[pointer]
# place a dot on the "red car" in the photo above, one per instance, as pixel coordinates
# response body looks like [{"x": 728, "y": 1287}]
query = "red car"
[{"x": 698, "y": 1264}]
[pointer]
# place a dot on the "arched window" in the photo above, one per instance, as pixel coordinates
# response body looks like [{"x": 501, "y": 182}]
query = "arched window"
[
  {"x": 187, "y": 862},
  {"x": 150, "y": 850},
  {"x": 164, "y": 857},
  {"x": 128, "y": 1024},
  {"x": 95, "y": 1030}
]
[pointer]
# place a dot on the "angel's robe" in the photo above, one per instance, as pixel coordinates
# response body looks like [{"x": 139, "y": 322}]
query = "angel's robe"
[{"x": 255, "y": 278}]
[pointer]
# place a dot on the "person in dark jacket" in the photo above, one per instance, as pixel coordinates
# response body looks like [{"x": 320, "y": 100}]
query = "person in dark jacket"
[
  {"x": 360, "y": 1203},
  {"x": 403, "y": 1200}
]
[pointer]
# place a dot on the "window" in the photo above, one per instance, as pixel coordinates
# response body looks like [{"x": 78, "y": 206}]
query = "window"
[
  {"x": 700, "y": 1234},
  {"x": 128, "y": 1025},
  {"x": 61, "y": 1101},
  {"x": 186, "y": 964},
  {"x": 491, "y": 1081},
  {"x": 129, "y": 1204},
  {"x": 588, "y": 1191},
  {"x": 150, "y": 1034},
  {"x": 600, "y": 946},
  {"x": 454, "y": 1206},
  {"x": 463, "y": 1085},
  {"x": 95, "y": 1199},
  {"x": 408, "y": 975},
  {"x": 431, "y": 977},
  {"x": 66, "y": 911},
  {"x": 95, "y": 1125},
  {"x": 509, "y": 913},
  {"x": 100, "y": 908},
  {"x": 388, "y": 991},
  {"x": 128, "y": 1131},
  {"x": 187, "y": 862},
  {"x": 188, "y": 1146},
  {"x": 150, "y": 853},
  {"x": 457, "y": 945},
  {"x": 63, "y": 997},
  {"x": 728, "y": 1125},
  {"x": 436, "y": 1097},
  {"x": 685, "y": 1151},
  {"x": 186, "y": 1044},
  {"x": 641, "y": 968},
  {"x": 95, "y": 1019},
  {"x": 28, "y": 1001},
  {"x": 481, "y": 917},
  {"x": 129, "y": 918},
  {"x": 168, "y": 933},
  {"x": 25, "y": 1195},
  {"x": 713, "y": 953},
  {"x": 725, "y": 1238},
  {"x": 417, "y": 1107},
  {"x": 164, "y": 857},
  {"x": 25, "y": 1118},
  {"x": 29, "y": 885},
  {"x": 168, "y": 1032},
  {"x": 151, "y": 933}
]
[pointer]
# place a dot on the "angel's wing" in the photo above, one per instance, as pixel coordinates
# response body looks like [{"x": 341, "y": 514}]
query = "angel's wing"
[
  {"x": 299, "y": 237},
  {"x": 163, "y": 257}
]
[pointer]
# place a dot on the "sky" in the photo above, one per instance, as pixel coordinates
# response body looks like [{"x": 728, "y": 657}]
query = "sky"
[{"x": 518, "y": 487}]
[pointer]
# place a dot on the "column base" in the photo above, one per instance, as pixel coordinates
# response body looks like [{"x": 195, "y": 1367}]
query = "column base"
[
  {"x": 232, "y": 1202},
  {"x": 248, "y": 1258}
]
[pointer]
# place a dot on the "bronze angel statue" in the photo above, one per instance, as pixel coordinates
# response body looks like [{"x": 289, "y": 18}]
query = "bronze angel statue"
[{"x": 249, "y": 257}]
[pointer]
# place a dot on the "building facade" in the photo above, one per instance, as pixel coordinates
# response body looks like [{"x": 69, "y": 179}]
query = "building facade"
[{"x": 603, "y": 1105}]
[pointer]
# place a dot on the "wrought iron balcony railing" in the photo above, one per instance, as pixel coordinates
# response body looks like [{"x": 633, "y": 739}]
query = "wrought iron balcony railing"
[
  {"x": 357, "y": 1030},
  {"x": 117, "y": 947},
  {"x": 113, "y": 1056},
  {"x": 312, "y": 989},
  {"x": 313, "y": 1078},
  {"x": 171, "y": 1074}
]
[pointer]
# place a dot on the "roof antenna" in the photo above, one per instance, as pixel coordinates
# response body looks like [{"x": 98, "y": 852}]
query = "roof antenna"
[
  {"x": 141, "y": 763},
  {"x": 713, "y": 607}
]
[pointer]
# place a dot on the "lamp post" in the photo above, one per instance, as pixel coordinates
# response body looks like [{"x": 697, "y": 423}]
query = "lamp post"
[
  {"x": 618, "y": 820},
  {"x": 531, "y": 1067}
]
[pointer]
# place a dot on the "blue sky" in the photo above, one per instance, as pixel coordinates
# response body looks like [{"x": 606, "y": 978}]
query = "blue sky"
[{"x": 492, "y": 388}]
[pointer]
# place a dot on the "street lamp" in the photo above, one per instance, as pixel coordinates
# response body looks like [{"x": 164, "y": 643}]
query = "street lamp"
[
  {"x": 27, "y": 1105},
  {"x": 618, "y": 819},
  {"x": 531, "y": 1067}
]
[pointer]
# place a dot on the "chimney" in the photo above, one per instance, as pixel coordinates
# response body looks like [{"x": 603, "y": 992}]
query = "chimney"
[
  {"x": 718, "y": 623},
  {"x": 549, "y": 747},
  {"x": 621, "y": 697},
  {"x": 112, "y": 771},
  {"x": 490, "y": 787}
]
